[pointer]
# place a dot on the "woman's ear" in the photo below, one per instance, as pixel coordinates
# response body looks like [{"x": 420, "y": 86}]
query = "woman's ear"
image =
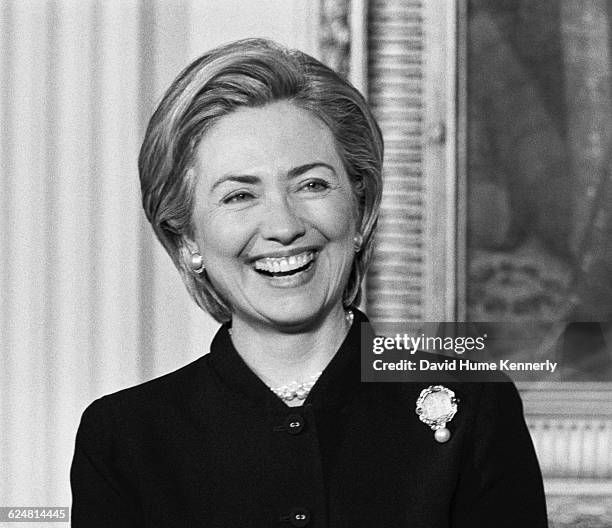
[{"x": 189, "y": 245}]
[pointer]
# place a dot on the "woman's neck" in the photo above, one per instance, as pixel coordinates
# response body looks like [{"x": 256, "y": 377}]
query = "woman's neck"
[{"x": 279, "y": 357}]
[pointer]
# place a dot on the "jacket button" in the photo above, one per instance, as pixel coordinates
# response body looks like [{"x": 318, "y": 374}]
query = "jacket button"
[
  {"x": 294, "y": 424},
  {"x": 299, "y": 517}
]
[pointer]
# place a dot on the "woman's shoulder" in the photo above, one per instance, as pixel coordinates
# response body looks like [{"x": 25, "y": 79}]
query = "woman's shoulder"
[{"x": 155, "y": 398}]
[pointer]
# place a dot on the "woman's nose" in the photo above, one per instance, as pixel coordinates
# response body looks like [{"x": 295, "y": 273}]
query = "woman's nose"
[{"x": 281, "y": 222}]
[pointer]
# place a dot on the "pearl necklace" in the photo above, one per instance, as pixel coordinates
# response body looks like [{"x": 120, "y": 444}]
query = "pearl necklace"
[
  {"x": 300, "y": 390},
  {"x": 294, "y": 390}
]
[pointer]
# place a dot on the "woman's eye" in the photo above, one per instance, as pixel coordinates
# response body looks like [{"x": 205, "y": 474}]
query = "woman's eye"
[
  {"x": 315, "y": 186},
  {"x": 237, "y": 197}
]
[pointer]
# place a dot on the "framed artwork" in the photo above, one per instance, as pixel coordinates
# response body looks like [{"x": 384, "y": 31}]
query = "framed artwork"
[
  {"x": 538, "y": 186},
  {"x": 536, "y": 230}
]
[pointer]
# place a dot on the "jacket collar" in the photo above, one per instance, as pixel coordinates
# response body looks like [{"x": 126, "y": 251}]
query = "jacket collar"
[{"x": 338, "y": 383}]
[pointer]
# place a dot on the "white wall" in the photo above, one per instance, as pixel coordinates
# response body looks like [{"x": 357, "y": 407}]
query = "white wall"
[{"x": 290, "y": 22}]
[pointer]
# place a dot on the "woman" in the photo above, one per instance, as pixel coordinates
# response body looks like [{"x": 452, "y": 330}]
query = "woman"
[{"x": 261, "y": 175}]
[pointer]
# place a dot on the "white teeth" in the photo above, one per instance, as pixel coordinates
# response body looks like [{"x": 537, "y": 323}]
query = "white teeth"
[{"x": 284, "y": 264}]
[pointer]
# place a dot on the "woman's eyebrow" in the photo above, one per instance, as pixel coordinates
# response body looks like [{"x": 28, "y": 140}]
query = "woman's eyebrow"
[
  {"x": 297, "y": 171},
  {"x": 240, "y": 178}
]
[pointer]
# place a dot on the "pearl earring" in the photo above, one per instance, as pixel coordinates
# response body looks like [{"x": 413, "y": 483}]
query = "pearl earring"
[
  {"x": 197, "y": 263},
  {"x": 357, "y": 242}
]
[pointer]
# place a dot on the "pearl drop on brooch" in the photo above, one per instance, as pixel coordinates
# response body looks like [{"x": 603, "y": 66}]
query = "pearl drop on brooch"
[{"x": 442, "y": 435}]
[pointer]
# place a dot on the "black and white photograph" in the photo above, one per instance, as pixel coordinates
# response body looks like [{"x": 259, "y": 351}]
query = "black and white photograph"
[{"x": 306, "y": 263}]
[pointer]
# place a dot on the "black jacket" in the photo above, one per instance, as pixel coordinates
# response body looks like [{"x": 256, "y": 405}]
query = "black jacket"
[{"x": 211, "y": 446}]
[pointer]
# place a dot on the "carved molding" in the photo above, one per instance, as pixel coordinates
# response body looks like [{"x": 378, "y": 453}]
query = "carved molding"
[
  {"x": 335, "y": 35},
  {"x": 591, "y": 511},
  {"x": 571, "y": 427},
  {"x": 567, "y": 399},
  {"x": 573, "y": 447}
]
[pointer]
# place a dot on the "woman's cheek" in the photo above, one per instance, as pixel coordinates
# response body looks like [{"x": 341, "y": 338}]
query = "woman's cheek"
[
  {"x": 226, "y": 232},
  {"x": 335, "y": 217}
]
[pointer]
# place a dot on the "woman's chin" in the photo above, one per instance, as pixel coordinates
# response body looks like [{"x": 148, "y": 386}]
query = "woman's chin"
[
  {"x": 293, "y": 314},
  {"x": 295, "y": 319}
]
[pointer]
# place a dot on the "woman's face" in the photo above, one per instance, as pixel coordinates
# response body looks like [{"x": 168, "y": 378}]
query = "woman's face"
[{"x": 274, "y": 213}]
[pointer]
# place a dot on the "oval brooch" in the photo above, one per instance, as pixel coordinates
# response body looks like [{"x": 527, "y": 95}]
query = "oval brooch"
[{"x": 436, "y": 406}]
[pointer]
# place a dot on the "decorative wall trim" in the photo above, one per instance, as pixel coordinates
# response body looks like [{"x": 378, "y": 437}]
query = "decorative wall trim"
[
  {"x": 573, "y": 447},
  {"x": 566, "y": 399},
  {"x": 335, "y": 35},
  {"x": 412, "y": 72},
  {"x": 565, "y": 487},
  {"x": 587, "y": 511},
  {"x": 396, "y": 93},
  {"x": 571, "y": 427}
]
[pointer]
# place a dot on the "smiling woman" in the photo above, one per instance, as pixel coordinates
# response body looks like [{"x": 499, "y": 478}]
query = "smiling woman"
[
  {"x": 210, "y": 95},
  {"x": 274, "y": 217},
  {"x": 261, "y": 176}
]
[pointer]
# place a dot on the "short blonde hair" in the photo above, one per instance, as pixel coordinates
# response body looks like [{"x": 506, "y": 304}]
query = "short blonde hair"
[{"x": 251, "y": 73}]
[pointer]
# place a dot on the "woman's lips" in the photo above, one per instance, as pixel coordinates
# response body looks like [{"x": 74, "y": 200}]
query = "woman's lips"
[{"x": 284, "y": 266}]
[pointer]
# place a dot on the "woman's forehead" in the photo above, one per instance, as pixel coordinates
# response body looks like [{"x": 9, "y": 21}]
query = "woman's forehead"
[{"x": 276, "y": 137}]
